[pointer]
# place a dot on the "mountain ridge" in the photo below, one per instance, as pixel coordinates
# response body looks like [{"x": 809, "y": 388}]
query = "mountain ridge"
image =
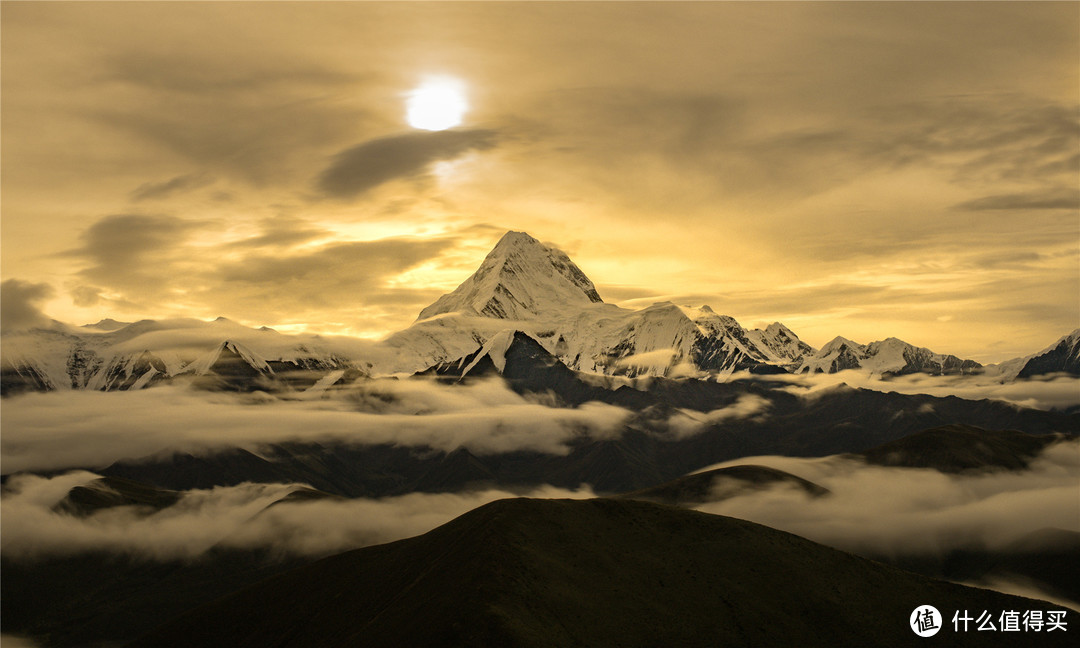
[
  {"x": 523, "y": 573},
  {"x": 522, "y": 284}
]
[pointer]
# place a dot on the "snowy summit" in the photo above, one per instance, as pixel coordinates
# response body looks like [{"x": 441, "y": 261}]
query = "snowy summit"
[{"x": 520, "y": 278}]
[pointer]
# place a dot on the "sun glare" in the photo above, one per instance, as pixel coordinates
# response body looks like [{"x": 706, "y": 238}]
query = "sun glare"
[{"x": 438, "y": 104}]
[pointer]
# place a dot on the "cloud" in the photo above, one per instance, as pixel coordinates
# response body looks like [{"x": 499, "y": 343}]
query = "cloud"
[
  {"x": 85, "y": 296},
  {"x": 363, "y": 167},
  {"x": 687, "y": 423},
  {"x": 905, "y": 511},
  {"x": 659, "y": 359},
  {"x": 1060, "y": 198},
  {"x": 93, "y": 429},
  {"x": 323, "y": 282},
  {"x": 282, "y": 232},
  {"x": 132, "y": 252},
  {"x": 360, "y": 264},
  {"x": 234, "y": 516},
  {"x": 196, "y": 73},
  {"x": 1045, "y": 392},
  {"x": 280, "y": 270},
  {"x": 158, "y": 190},
  {"x": 19, "y": 304},
  {"x": 255, "y": 118}
]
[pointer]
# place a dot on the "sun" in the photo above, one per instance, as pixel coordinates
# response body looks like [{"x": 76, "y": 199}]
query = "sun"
[{"x": 439, "y": 103}]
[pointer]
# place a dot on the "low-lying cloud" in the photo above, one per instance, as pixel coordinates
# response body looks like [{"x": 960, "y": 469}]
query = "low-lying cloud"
[
  {"x": 93, "y": 429},
  {"x": 686, "y": 423},
  {"x": 904, "y": 511},
  {"x": 1053, "y": 391},
  {"x": 239, "y": 517}
]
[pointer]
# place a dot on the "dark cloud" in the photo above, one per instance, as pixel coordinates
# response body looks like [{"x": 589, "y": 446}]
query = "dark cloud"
[
  {"x": 158, "y": 190},
  {"x": 288, "y": 271},
  {"x": 363, "y": 167},
  {"x": 196, "y": 74},
  {"x": 19, "y": 304},
  {"x": 281, "y": 232},
  {"x": 703, "y": 148},
  {"x": 253, "y": 119},
  {"x": 359, "y": 263},
  {"x": 1050, "y": 199},
  {"x": 132, "y": 252},
  {"x": 351, "y": 279},
  {"x": 1005, "y": 136},
  {"x": 86, "y": 296}
]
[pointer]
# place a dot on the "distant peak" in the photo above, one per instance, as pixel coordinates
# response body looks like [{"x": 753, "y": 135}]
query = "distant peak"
[
  {"x": 512, "y": 238},
  {"x": 838, "y": 342},
  {"x": 519, "y": 279},
  {"x": 777, "y": 327},
  {"x": 107, "y": 324}
]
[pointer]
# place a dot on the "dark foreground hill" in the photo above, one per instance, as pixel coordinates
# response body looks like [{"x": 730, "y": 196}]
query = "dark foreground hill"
[{"x": 592, "y": 573}]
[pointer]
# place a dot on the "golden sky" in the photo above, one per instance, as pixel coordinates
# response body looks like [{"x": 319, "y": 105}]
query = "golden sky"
[{"x": 856, "y": 169}]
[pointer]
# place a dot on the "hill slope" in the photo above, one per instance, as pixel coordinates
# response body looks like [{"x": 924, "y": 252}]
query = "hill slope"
[{"x": 587, "y": 573}]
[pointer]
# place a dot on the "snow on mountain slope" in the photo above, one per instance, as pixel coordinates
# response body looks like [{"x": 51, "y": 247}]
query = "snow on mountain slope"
[
  {"x": 663, "y": 339},
  {"x": 439, "y": 339},
  {"x": 521, "y": 285},
  {"x": 886, "y": 357},
  {"x": 519, "y": 279},
  {"x": 495, "y": 349},
  {"x": 147, "y": 352},
  {"x": 56, "y": 358},
  {"x": 780, "y": 344},
  {"x": 227, "y": 352},
  {"x": 1061, "y": 357},
  {"x": 128, "y": 372},
  {"x": 528, "y": 286}
]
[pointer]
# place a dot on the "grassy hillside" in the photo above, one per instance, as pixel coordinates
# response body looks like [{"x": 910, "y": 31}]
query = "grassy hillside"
[{"x": 590, "y": 573}]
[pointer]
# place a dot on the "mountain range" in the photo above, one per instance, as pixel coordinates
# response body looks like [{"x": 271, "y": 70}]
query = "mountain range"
[
  {"x": 695, "y": 392},
  {"x": 522, "y": 285}
]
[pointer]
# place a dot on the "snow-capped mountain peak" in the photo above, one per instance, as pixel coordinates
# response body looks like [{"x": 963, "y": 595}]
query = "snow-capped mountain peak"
[
  {"x": 891, "y": 356},
  {"x": 228, "y": 352},
  {"x": 495, "y": 348},
  {"x": 1061, "y": 357},
  {"x": 838, "y": 343},
  {"x": 519, "y": 279},
  {"x": 780, "y": 344}
]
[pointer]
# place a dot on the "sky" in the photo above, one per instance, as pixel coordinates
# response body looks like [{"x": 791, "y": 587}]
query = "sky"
[{"x": 857, "y": 169}]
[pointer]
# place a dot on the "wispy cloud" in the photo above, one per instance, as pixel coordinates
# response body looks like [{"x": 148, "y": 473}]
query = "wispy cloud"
[
  {"x": 238, "y": 517},
  {"x": 94, "y": 429},
  {"x": 904, "y": 511},
  {"x": 166, "y": 188},
  {"x": 687, "y": 423},
  {"x": 1060, "y": 198},
  {"x": 363, "y": 167},
  {"x": 1046, "y": 392}
]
